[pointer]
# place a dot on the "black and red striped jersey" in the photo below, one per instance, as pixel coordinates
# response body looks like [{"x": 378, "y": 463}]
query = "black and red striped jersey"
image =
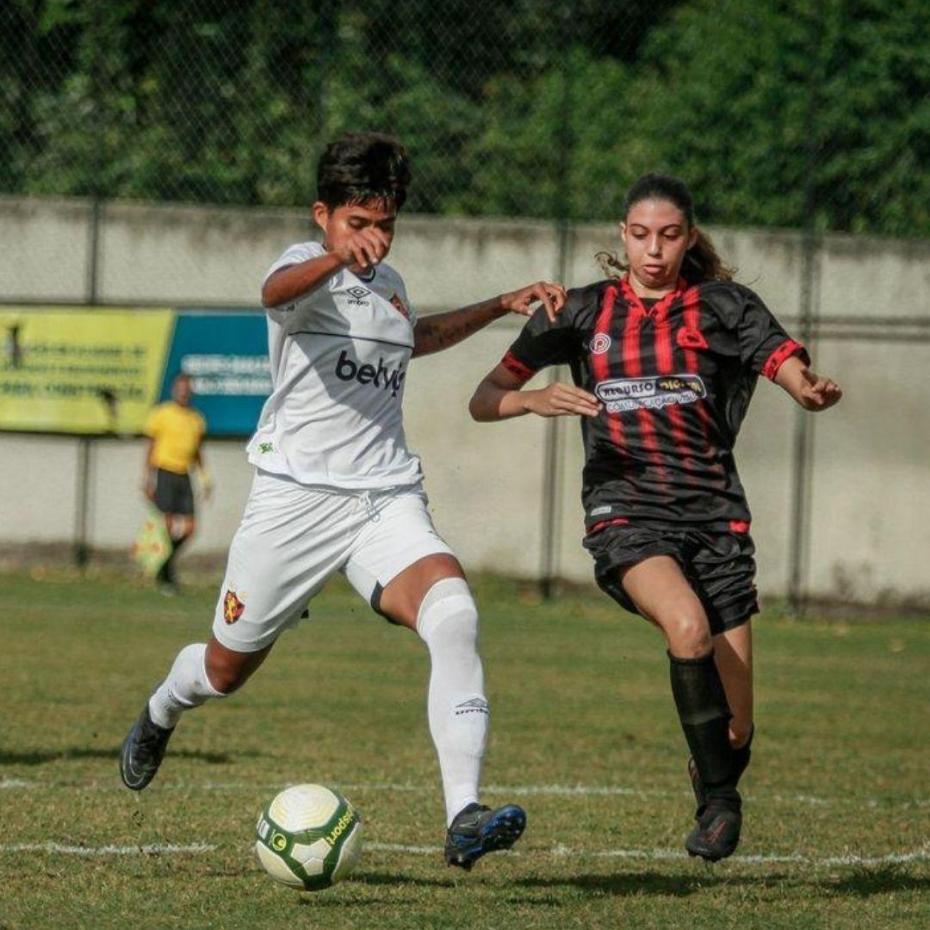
[{"x": 675, "y": 377}]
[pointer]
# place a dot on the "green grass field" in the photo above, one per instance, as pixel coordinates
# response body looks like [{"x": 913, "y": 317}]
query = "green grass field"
[{"x": 837, "y": 832}]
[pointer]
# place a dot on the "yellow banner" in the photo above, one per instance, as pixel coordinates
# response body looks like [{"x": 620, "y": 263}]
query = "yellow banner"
[{"x": 81, "y": 371}]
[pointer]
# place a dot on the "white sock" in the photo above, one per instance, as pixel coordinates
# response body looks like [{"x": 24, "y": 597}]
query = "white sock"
[
  {"x": 458, "y": 710},
  {"x": 186, "y": 686}
]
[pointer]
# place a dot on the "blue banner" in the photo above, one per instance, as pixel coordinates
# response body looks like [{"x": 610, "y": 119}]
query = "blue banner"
[{"x": 226, "y": 355}]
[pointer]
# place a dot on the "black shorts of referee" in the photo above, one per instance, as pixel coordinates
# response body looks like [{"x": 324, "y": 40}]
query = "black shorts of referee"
[
  {"x": 173, "y": 492},
  {"x": 718, "y": 564}
]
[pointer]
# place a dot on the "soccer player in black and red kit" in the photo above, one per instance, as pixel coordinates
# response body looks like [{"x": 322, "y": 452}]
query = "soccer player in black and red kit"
[{"x": 664, "y": 361}]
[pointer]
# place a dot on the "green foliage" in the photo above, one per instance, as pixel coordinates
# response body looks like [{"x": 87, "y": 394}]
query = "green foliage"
[
  {"x": 785, "y": 106},
  {"x": 777, "y": 112}
]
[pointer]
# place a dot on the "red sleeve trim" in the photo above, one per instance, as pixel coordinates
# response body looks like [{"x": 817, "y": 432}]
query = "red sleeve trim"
[
  {"x": 739, "y": 526},
  {"x": 517, "y": 368},
  {"x": 788, "y": 348}
]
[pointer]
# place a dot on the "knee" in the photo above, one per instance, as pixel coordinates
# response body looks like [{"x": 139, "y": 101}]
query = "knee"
[
  {"x": 225, "y": 676},
  {"x": 448, "y": 612},
  {"x": 688, "y": 635}
]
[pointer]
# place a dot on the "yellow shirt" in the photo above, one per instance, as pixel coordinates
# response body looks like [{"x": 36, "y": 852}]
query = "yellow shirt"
[{"x": 177, "y": 432}]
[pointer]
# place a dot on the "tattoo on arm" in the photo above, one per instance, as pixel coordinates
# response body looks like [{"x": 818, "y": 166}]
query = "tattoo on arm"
[{"x": 435, "y": 333}]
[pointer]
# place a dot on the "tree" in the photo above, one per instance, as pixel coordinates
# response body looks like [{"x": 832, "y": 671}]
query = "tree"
[
  {"x": 785, "y": 106},
  {"x": 777, "y": 112}
]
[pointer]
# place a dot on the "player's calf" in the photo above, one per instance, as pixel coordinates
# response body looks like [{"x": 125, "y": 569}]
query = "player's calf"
[
  {"x": 714, "y": 766},
  {"x": 186, "y": 686}
]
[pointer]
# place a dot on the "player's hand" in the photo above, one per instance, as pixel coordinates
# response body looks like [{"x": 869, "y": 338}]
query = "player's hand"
[
  {"x": 562, "y": 400},
  {"x": 363, "y": 248},
  {"x": 523, "y": 301},
  {"x": 148, "y": 488},
  {"x": 818, "y": 393}
]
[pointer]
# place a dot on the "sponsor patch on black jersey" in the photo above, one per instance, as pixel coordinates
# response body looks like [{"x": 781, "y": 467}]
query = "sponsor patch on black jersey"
[{"x": 654, "y": 392}]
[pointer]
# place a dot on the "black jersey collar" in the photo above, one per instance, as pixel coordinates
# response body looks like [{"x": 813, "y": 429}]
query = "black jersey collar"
[{"x": 660, "y": 308}]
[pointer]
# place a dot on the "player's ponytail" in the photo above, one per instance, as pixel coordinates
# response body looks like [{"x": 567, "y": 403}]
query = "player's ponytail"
[
  {"x": 611, "y": 264},
  {"x": 701, "y": 263}
]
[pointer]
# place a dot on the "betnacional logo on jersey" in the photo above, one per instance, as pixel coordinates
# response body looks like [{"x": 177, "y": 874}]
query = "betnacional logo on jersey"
[
  {"x": 600, "y": 343},
  {"x": 400, "y": 306},
  {"x": 233, "y": 608},
  {"x": 387, "y": 379},
  {"x": 621, "y": 394}
]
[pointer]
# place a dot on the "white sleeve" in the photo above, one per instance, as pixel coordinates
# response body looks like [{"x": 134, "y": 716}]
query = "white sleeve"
[
  {"x": 403, "y": 296},
  {"x": 294, "y": 255}
]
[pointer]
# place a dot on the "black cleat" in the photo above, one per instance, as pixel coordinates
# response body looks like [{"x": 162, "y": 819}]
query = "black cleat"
[
  {"x": 477, "y": 830},
  {"x": 142, "y": 752},
  {"x": 716, "y": 834}
]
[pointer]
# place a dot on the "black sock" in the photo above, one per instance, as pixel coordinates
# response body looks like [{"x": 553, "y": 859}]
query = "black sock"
[
  {"x": 705, "y": 719},
  {"x": 166, "y": 572}
]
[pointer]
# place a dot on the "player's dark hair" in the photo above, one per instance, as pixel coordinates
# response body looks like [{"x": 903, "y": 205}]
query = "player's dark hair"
[
  {"x": 701, "y": 263},
  {"x": 363, "y": 166}
]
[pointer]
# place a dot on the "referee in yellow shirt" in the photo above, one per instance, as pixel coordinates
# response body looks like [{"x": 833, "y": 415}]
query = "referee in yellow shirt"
[{"x": 175, "y": 431}]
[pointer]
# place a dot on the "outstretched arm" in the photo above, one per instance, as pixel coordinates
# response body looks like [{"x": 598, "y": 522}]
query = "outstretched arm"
[
  {"x": 811, "y": 391},
  {"x": 442, "y": 330},
  {"x": 500, "y": 396}
]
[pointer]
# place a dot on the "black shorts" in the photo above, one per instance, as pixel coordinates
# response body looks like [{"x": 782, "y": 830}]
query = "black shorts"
[
  {"x": 719, "y": 565},
  {"x": 173, "y": 492}
]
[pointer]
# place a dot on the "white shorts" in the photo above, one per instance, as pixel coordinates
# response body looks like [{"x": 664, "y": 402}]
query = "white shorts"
[{"x": 293, "y": 538}]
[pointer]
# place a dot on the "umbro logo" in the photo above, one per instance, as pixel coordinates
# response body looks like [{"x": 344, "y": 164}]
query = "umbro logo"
[
  {"x": 357, "y": 295},
  {"x": 475, "y": 705}
]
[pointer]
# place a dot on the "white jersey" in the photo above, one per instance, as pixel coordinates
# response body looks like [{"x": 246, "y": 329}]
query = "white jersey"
[{"x": 339, "y": 357}]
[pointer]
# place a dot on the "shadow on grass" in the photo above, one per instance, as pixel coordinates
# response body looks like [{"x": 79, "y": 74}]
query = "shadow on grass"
[
  {"x": 862, "y": 883},
  {"x": 398, "y": 878},
  {"x": 372, "y": 880},
  {"x": 43, "y": 756},
  {"x": 625, "y": 884}
]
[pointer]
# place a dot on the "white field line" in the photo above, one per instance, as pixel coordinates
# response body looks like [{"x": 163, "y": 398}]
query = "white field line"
[
  {"x": 153, "y": 849},
  {"x": 917, "y": 855},
  {"x": 563, "y": 791},
  {"x": 562, "y": 852}
]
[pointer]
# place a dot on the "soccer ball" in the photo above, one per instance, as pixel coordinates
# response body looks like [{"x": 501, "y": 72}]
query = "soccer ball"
[{"x": 309, "y": 837}]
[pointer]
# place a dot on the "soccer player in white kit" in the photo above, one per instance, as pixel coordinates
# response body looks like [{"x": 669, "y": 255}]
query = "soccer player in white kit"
[{"x": 336, "y": 488}]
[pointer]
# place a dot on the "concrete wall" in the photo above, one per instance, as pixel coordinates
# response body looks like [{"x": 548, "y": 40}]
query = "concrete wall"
[{"x": 870, "y": 481}]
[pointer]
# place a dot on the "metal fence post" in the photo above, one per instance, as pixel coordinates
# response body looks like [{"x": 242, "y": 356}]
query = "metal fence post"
[
  {"x": 552, "y": 476},
  {"x": 81, "y": 547},
  {"x": 811, "y": 245},
  {"x": 803, "y": 435}
]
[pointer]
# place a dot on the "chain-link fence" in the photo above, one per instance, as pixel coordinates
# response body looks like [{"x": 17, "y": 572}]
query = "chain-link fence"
[{"x": 777, "y": 112}]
